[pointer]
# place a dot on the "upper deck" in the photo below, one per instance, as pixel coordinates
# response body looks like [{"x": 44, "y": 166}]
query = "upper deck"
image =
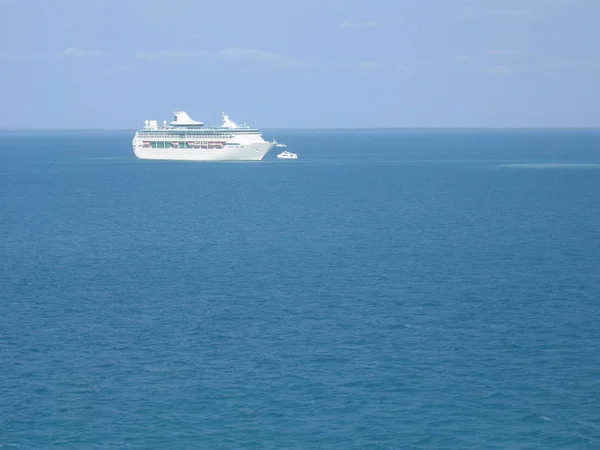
[{"x": 184, "y": 124}]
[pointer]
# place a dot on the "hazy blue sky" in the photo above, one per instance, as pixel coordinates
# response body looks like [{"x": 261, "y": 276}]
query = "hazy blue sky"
[{"x": 311, "y": 63}]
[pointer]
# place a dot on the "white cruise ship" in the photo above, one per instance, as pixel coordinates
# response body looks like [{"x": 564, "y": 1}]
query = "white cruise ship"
[{"x": 187, "y": 139}]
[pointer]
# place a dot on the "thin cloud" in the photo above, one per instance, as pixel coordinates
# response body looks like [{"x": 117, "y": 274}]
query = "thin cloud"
[
  {"x": 255, "y": 57},
  {"x": 357, "y": 25},
  {"x": 82, "y": 53},
  {"x": 478, "y": 13},
  {"x": 374, "y": 66},
  {"x": 179, "y": 56},
  {"x": 229, "y": 56},
  {"x": 501, "y": 52}
]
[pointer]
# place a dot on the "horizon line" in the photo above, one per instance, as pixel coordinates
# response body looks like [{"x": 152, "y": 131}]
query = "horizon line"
[{"x": 337, "y": 128}]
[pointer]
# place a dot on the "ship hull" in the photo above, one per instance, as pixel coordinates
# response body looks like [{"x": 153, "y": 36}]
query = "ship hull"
[{"x": 250, "y": 152}]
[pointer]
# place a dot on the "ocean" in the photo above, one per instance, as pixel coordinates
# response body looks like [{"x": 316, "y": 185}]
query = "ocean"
[{"x": 389, "y": 289}]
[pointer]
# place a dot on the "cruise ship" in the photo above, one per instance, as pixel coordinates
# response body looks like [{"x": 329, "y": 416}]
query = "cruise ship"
[{"x": 187, "y": 139}]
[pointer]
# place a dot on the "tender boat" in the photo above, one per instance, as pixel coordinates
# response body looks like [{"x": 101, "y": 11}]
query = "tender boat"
[{"x": 287, "y": 155}]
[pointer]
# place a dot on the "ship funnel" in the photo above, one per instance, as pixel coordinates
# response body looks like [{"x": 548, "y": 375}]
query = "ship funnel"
[
  {"x": 227, "y": 122},
  {"x": 181, "y": 118}
]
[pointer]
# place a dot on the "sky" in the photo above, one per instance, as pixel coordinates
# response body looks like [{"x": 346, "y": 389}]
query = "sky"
[{"x": 300, "y": 64}]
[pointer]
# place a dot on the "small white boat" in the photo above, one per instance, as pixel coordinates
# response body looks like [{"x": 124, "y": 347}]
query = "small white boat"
[{"x": 287, "y": 155}]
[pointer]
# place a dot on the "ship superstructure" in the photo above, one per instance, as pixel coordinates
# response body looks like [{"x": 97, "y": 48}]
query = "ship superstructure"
[{"x": 187, "y": 139}]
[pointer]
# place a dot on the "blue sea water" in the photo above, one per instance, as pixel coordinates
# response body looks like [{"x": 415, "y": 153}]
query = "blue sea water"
[{"x": 389, "y": 289}]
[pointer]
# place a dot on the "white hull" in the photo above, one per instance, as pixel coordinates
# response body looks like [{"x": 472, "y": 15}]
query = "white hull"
[{"x": 250, "y": 152}]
